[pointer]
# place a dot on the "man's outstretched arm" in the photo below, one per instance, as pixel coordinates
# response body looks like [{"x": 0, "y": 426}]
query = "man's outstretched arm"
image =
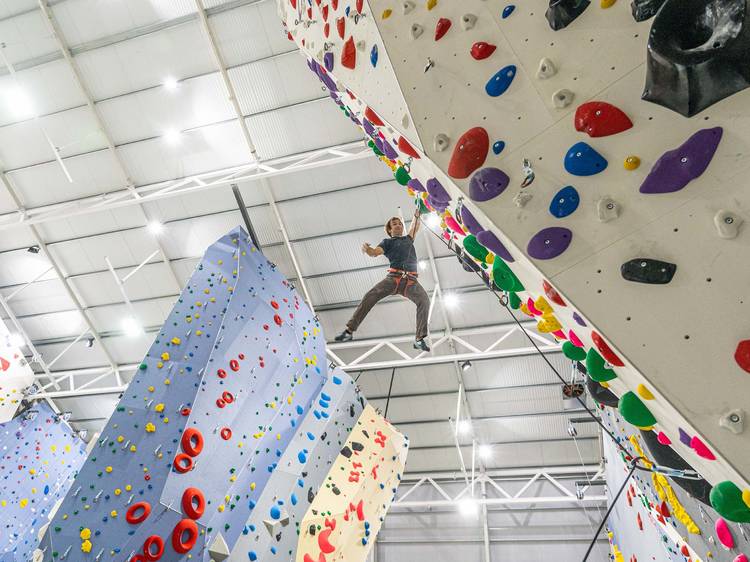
[
  {"x": 414, "y": 228},
  {"x": 372, "y": 252}
]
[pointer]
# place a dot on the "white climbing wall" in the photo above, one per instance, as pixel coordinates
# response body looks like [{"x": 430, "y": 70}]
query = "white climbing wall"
[
  {"x": 15, "y": 375},
  {"x": 677, "y": 340}
]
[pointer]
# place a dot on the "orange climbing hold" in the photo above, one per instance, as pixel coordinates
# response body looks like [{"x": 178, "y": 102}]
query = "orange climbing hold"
[
  {"x": 406, "y": 148},
  {"x": 182, "y": 463},
  {"x": 442, "y": 27},
  {"x": 349, "y": 54},
  {"x": 742, "y": 355},
  {"x": 606, "y": 351},
  {"x": 192, "y": 442},
  {"x": 469, "y": 153}
]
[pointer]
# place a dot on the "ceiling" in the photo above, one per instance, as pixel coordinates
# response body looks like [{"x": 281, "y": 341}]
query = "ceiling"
[{"x": 129, "y": 94}]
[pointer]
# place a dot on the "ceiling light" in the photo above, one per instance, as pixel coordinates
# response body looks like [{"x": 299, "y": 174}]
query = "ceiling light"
[
  {"x": 432, "y": 221},
  {"x": 422, "y": 265},
  {"x": 155, "y": 227},
  {"x": 170, "y": 83},
  {"x": 131, "y": 327},
  {"x": 15, "y": 340},
  {"x": 464, "y": 427},
  {"x": 90, "y": 342},
  {"x": 18, "y": 102},
  {"x": 485, "y": 452},
  {"x": 450, "y": 300},
  {"x": 172, "y": 136},
  {"x": 468, "y": 507},
  {"x": 465, "y": 366},
  {"x": 33, "y": 249}
]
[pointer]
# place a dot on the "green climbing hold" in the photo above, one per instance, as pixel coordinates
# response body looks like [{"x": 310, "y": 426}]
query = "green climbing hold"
[
  {"x": 596, "y": 369},
  {"x": 634, "y": 411},
  {"x": 726, "y": 499},
  {"x": 402, "y": 176},
  {"x": 474, "y": 248},
  {"x": 514, "y": 300},
  {"x": 503, "y": 277},
  {"x": 423, "y": 210},
  {"x": 573, "y": 352},
  {"x": 142, "y": 366}
]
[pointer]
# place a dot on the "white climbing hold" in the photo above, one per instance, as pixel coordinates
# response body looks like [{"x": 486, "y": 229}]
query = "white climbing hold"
[
  {"x": 562, "y": 98},
  {"x": 416, "y": 30},
  {"x": 407, "y": 6},
  {"x": 727, "y": 224},
  {"x": 734, "y": 421},
  {"x": 38, "y": 555},
  {"x": 546, "y": 69},
  {"x": 441, "y": 142},
  {"x": 405, "y": 121},
  {"x": 218, "y": 551},
  {"x": 607, "y": 209},
  {"x": 468, "y": 21},
  {"x": 521, "y": 198}
]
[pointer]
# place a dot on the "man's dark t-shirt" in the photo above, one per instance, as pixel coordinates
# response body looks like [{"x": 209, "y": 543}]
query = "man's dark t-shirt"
[{"x": 400, "y": 252}]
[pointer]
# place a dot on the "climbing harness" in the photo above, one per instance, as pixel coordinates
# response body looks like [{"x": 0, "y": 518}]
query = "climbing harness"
[{"x": 408, "y": 278}]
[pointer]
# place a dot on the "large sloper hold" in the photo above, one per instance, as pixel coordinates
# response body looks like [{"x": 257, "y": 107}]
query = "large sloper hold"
[
  {"x": 647, "y": 270},
  {"x": 645, "y": 9},
  {"x": 561, "y": 13},
  {"x": 665, "y": 455},
  {"x": 601, "y": 395},
  {"x": 697, "y": 54}
]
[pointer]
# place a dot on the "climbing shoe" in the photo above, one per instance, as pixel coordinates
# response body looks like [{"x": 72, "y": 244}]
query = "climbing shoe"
[
  {"x": 346, "y": 335},
  {"x": 421, "y": 344}
]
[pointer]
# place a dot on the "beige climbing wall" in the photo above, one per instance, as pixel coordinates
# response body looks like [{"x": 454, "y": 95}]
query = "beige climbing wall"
[
  {"x": 678, "y": 339},
  {"x": 15, "y": 375},
  {"x": 351, "y": 503}
]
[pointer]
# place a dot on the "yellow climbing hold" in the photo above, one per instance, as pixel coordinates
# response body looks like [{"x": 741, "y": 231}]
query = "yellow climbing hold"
[
  {"x": 120, "y": 439},
  {"x": 24, "y": 502},
  {"x": 604, "y": 384},
  {"x": 85, "y": 533},
  {"x": 86, "y": 546},
  {"x": 133, "y": 449},
  {"x": 159, "y": 407},
  {"x": 128, "y": 488},
  {"x": 165, "y": 356},
  {"x": 108, "y": 470},
  {"x": 631, "y": 162},
  {"x": 159, "y": 365},
  {"x": 431, "y": 4},
  {"x": 176, "y": 341},
  {"x": 151, "y": 389},
  {"x": 113, "y": 513},
  {"x": 150, "y": 428},
  {"x": 387, "y": 13},
  {"x": 252, "y": 486},
  {"x": 607, "y": 3},
  {"x": 548, "y": 324},
  {"x": 665, "y": 492},
  {"x": 644, "y": 392},
  {"x": 118, "y": 491},
  {"x": 221, "y": 508},
  {"x": 746, "y": 497},
  {"x": 490, "y": 259},
  {"x": 543, "y": 306},
  {"x": 637, "y": 446}
]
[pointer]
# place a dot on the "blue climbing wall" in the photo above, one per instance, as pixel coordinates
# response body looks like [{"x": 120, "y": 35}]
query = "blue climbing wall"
[
  {"x": 226, "y": 432},
  {"x": 39, "y": 459}
]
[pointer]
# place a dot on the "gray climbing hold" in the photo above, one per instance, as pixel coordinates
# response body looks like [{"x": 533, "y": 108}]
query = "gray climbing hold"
[
  {"x": 468, "y": 21},
  {"x": 562, "y": 98},
  {"x": 546, "y": 69},
  {"x": 416, "y": 30},
  {"x": 734, "y": 421},
  {"x": 407, "y": 7},
  {"x": 441, "y": 142},
  {"x": 647, "y": 270},
  {"x": 522, "y": 198},
  {"x": 727, "y": 224},
  {"x": 607, "y": 209},
  {"x": 218, "y": 551},
  {"x": 405, "y": 121}
]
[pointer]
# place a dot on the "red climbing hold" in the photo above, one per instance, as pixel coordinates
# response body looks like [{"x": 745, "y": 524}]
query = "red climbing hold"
[
  {"x": 742, "y": 355},
  {"x": 183, "y": 463},
  {"x": 221, "y": 373},
  {"x": 133, "y": 517},
  {"x": 481, "y": 50},
  {"x": 442, "y": 27},
  {"x": 325, "y": 546},
  {"x": 293, "y": 3},
  {"x": 639, "y": 521},
  {"x": 4, "y": 364},
  {"x": 360, "y": 4},
  {"x": 601, "y": 119},
  {"x": 234, "y": 365},
  {"x": 226, "y": 433},
  {"x": 341, "y": 26},
  {"x": 277, "y": 319},
  {"x": 469, "y": 154},
  {"x": 321, "y": 558},
  {"x": 664, "y": 510},
  {"x": 606, "y": 351},
  {"x": 192, "y": 441},
  {"x": 227, "y": 396},
  {"x": 373, "y": 118},
  {"x": 349, "y": 54},
  {"x": 685, "y": 551},
  {"x": 180, "y": 542},
  {"x": 406, "y": 148},
  {"x": 335, "y": 4},
  {"x": 324, "y": 12},
  {"x": 193, "y": 510},
  {"x": 327, "y": 29},
  {"x": 151, "y": 543},
  {"x": 552, "y": 294}
]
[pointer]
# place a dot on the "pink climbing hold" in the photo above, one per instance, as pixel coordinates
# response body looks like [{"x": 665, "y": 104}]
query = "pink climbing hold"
[
  {"x": 574, "y": 339},
  {"x": 469, "y": 154},
  {"x": 481, "y": 50},
  {"x": 701, "y": 449},
  {"x": 406, "y": 148},
  {"x": 559, "y": 334},
  {"x": 740, "y": 558},
  {"x": 349, "y": 54},
  {"x": 742, "y": 355},
  {"x": 606, "y": 351},
  {"x": 663, "y": 439},
  {"x": 454, "y": 226},
  {"x": 723, "y": 533},
  {"x": 534, "y": 310},
  {"x": 442, "y": 27}
]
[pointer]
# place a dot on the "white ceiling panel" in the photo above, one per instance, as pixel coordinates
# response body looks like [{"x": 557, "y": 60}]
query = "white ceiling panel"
[
  {"x": 43, "y": 297},
  {"x": 93, "y": 224},
  {"x": 26, "y": 36},
  {"x": 198, "y": 203},
  {"x": 10, "y": 8}
]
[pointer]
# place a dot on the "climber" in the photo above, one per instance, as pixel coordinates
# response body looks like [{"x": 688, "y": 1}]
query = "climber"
[{"x": 401, "y": 279}]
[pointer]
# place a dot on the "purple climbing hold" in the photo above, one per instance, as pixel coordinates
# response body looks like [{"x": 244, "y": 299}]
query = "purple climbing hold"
[
  {"x": 328, "y": 61},
  {"x": 390, "y": 152},
  {"x": 326, "y": 78},
  {"x": 487, "y": 184},
  {"x": 437, "y": 192},
  {"x": 684, "y": 437},
  {"x": 676, "y": 168},
  {"x": 493, "y": 244},
  {"x": 578, "y": 319},
  {"x": 312, "y": 65},
  {"x": 439, "y": 206},
  {"x": 416, "y": 185},
  {"x": 470, "y": 222},
  {"x": 378, "y": 143},
  {"x": 369, "y": 129},
  {"x": 549, "y": 243}
]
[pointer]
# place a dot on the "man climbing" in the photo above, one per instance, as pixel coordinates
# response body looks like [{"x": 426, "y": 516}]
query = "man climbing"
[{"x": 401, "y": 279}]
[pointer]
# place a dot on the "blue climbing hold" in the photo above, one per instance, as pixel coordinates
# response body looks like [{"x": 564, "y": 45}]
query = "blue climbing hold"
[
  {"x": 508, "y": 10},
  {"x": 582, "y": 160},
  {"x": 302, "y": 457},
  {"x": 310, "y": 436},
  {"x": 275, "y": 513},
  {"x": 501, "y": 81},
  {"x": 325, "y": 397},
  {"x": 336, "y": 380},
  {"x": 300, "y": 410},
  {"x": 252, "y": 556},
  {"x": 565, "y": 202},
  {"x": 293, "y": 499},
  {"x": 498, "y": 147},
  {"x": 374, "y": 56}
]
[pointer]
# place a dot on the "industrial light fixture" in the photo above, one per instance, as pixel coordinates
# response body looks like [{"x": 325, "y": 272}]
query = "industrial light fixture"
[
  {"x": 131, "y": 327},
  {"x": 432, "y": 221},
  {"x": 33, "y": 249},
  {"x": 468, "y": 507},
  {"x": 15, "y": 340},
  {"x": 172, "y": 136},
  {"x": 463, "y": 427},
  {"x": 89, "y": 342},
  {"x": 170, "y": 83},
  {"x": 466, "y": 365},
  {"x": 485, "y": 452},
  {"x": 450, "y": 300},
  {"x": 18, "y": 102},
  {"x": 422, "y": 265},
  {"x": 155, "y": 227}
]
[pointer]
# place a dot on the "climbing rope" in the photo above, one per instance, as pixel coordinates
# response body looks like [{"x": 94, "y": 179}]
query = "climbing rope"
[{"x": 390, "y": 388}]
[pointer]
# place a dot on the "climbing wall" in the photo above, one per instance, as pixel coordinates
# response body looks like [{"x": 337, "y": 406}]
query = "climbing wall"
[
  {"x": 39, "y": 457},
  {"x": 15, "y": 376},
  {"x": 615, "y": 221},
  {"x": 655, "y": 518},
  {"x": 229, "y": 428}
]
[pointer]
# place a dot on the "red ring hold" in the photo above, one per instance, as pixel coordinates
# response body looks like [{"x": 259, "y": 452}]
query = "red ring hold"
[
  {"x": 137, "y": 558},
  {"x": 179, "y": 459},
  {"x": 185, "y": 411},
  {"x": 221, "y": 373},
  {"x": 158, "y": 542},
  {"x": 184, "y": 526},
  {"x": 234, "y": 365},
  {"x": 228, "y": 397},
  {"x": 226, "y": 433},
  {"x": 188, "y": 436},
  {"x": 220, "y": 403},
  {"x": 134, "y": 519},
  {"x": 192, "y": 511}
]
